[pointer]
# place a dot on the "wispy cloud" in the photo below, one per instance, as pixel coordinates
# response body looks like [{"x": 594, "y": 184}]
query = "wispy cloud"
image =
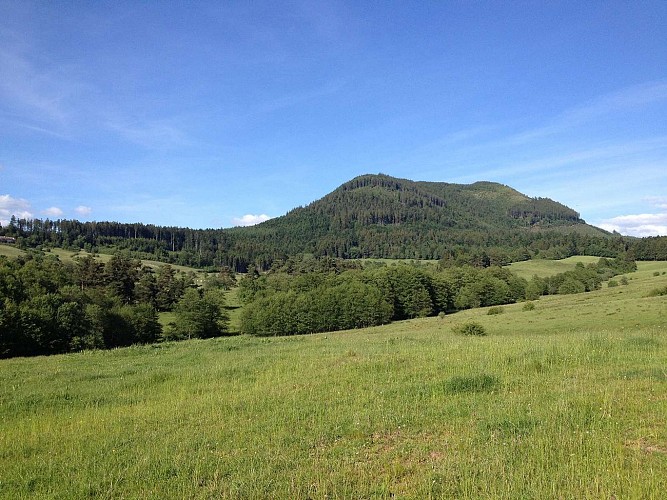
[
  {"x": 57, "y": 100},
  {"x": 582, "y": 156},
  {"x": 38, "y": 99},
  {"x": 13, "y": 206},
  {"x": 499, "y": 150},
  {"x": 297, "y": 98},
  {"x": 150, "y": 134},
  {"x": 629, "y": 99},
  {"x": 638, "y": 225},
  {"x": 250, "y": 219},
  {"x": 657, "y": 201}
]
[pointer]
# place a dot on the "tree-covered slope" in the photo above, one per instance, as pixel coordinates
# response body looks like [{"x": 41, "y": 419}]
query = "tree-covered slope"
[
  {"x": 381, "y": 216},
  {"x": 372, "y": 200}
]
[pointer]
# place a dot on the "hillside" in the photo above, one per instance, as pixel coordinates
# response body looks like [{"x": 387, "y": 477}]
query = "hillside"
[
  {"x": 370, "y": 216},
  {"x": 384, "y": 217}
]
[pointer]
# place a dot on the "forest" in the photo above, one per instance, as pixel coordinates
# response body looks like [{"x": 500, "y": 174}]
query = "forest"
[
  {"x": 296, "y": 300},
  {"x": 303, "y": 272},
  {"x": 50, "y": 307}
]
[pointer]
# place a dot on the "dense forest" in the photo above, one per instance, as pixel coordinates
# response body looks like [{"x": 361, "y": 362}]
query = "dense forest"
[
  {"x": 378, "y": 216},
  {"x": 49, "y": 307}
]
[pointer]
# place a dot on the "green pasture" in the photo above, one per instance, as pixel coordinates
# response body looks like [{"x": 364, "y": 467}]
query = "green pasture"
[
  {"x": 543, "y": 267},
  {"x": 9, "y": 251},
  {"x": 69, "y": 256},
  {"x": 567, "y": 400}
]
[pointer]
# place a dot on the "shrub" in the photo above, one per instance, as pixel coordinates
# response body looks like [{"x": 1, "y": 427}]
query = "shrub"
[
  {"x": 470, "y": 328},
  {"x": 529, "y": 306},
  {"x": 656, "y": 273},
  {"x": 624, "y": 280},
  {"x": 658, "y": 292},
  {"x": 612, "y": 283},
  {"x": 442, "y": 315},
  {"x": 495, "y": 310}
]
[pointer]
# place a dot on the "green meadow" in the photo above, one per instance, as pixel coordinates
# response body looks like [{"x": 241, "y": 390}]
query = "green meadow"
[
  {"x": 543, "y": 267},
  {"x": 10, "y": 251},
  {"x": 566, "y": 398}
]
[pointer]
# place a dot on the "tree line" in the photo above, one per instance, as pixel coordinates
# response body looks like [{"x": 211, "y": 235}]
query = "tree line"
[
  {"x": 289, "y": 301},
  {"x": 48, "y": 306},
  {"x": 374, "y": 216},
  {"x": 311, "y": 234}
]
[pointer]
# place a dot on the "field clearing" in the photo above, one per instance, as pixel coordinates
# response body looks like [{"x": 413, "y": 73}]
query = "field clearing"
[
  {"x": 69, "y": 256},
  {"x": 9, "y": 250},
  {"x": 568, "y": 400},
  {"x": 234, "y": 306},
  {"x": 543, "y": 267}
]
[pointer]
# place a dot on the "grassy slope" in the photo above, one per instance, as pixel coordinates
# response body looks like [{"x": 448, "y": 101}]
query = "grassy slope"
[
  {"x": 542, "y": 267},
  {"x": 568, "y": 400},
  {"x": 68, "y": 256},
  {"x": 10, "y": 250}
]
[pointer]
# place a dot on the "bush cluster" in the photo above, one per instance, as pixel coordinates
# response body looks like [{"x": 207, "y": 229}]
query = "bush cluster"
[{"x": 470, "y": 328}]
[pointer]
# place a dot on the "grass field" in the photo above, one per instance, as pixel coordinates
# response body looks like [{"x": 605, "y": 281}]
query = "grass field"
[
  {"x": 568, "y": 400},
  {"x": 543, "y": 267},
  {"x": 9, "y": 251},
  {"x": 69, "y": 256}
]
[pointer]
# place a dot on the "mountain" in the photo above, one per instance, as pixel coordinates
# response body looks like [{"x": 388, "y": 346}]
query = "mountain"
[
  {"x": 380, "y": 200},
  {"x": 382, "y": 216},
  {"x": 369, "y": 216}
]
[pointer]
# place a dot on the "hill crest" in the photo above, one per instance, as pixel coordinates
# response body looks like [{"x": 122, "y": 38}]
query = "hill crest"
[{"x": 369, "y": 200}]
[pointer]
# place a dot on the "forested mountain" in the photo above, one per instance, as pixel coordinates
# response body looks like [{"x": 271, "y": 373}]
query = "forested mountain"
[
  {"x": 376, "y": 216},
  {"x": 381, "y": 216}
]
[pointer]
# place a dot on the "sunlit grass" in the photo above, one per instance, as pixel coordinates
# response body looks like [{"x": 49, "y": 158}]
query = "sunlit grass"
[
  {"x": 543, "y": 268},
  {"x": 10, "y": 251}
]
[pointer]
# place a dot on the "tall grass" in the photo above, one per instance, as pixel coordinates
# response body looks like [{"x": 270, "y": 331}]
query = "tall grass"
[{"x": 568, "y": 400}]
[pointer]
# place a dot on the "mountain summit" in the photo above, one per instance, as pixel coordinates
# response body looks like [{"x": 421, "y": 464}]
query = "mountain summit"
[{"x": 370, "y": 200}]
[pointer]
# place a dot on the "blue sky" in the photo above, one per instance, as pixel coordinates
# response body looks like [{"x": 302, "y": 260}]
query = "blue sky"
[{"x": 213, "y": 114}]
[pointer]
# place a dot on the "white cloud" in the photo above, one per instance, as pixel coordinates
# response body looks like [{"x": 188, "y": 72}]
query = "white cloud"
[
  {"x": 53, "y": 212},
  {"x": 83, "y": 210},
  {"x": 250, "y": 219},
  {"x": 657, "y": 201},
  {"x": 154, "y": 134},
  {"x": 637, "y": 225},
  {"x": 13, "y": 206}
]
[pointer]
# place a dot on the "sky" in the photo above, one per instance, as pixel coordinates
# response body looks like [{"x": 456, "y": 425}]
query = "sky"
[{"x": 217, "y": 114}]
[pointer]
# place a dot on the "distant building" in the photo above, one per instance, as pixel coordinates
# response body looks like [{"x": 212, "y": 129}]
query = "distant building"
[{"x": 7, "y": 239}]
